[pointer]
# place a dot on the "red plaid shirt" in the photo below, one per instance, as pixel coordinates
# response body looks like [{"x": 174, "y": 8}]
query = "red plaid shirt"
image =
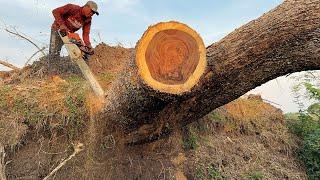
[{"x": 71, "y": 16}]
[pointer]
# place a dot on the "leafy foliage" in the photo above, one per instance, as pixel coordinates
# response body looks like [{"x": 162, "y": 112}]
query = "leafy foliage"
[{"x": 307, "y": 127}]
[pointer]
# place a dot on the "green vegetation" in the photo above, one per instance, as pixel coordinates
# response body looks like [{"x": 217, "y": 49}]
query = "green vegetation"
[
  {"x": 203, "y": 173},
  {"x": 214, "y": 174},
  {"x": 191, "y": 139},
  {"x": 306, "y": 125},
  {"x": 200, "y": 175},
  {"x": 254, "y": 175}
]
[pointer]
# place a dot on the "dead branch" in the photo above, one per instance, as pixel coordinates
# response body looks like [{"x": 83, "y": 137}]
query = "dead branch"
[
  {"x": 9, "y": 65},
  {"x": 34, "y": 55},
  {"x": 15, "y": 32},
  {"x": 77, "y": 149},
  {"x": 2, "y": 163}
]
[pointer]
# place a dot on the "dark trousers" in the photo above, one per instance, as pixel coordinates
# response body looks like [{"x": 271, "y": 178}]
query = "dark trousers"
[{"x": 56, "y": 44}]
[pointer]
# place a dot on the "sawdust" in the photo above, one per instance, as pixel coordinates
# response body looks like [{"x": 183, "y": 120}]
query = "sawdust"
[{"x": 110, "y": 59}]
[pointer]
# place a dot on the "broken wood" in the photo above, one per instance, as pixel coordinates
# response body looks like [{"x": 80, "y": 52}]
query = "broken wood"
[
  {"x": 11, "y": 66},
  {"x": 282, "y": 41},
  {"x": 77, "y": 149}
]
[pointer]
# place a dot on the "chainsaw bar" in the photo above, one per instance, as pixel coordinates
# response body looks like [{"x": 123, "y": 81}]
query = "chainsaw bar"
[{"x": 76, "y": 55}]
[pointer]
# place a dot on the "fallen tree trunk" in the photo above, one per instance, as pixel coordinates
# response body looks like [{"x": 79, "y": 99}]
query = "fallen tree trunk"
[
  {"x": 168, "y": 63},
  {"x": 282, "y": 41}
]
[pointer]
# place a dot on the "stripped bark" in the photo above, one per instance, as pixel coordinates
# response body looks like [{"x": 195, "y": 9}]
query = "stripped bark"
[{"x": 282, "y": 41}]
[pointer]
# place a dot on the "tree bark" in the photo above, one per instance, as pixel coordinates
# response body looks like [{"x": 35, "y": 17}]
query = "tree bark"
[{"x": 282, "y": 41}]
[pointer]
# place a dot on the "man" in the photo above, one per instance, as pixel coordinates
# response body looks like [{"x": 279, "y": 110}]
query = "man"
[{"x": 70, "y": 18}]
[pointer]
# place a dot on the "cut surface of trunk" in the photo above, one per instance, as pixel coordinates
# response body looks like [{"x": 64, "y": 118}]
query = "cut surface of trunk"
[
  {"x": 171, "y": 57},
  {"x": 169, "y": 60}
]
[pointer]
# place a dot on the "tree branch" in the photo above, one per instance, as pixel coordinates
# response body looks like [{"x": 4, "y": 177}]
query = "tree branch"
[
  {"x": 77, "y": 149},
  {"x": 34, "y": 55},
  {"x": 9, "y": 65},
  {"x": 15, "y": 32}
]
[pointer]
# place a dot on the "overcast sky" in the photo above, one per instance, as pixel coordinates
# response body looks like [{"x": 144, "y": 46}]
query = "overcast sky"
[{"x": 124, "y": 21}]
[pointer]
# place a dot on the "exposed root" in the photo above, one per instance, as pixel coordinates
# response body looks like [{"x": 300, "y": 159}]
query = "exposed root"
[{"x": 77, "y": 149}]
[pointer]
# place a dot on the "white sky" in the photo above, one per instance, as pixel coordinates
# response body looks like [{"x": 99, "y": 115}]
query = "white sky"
[{"x": 124, "y": 21}]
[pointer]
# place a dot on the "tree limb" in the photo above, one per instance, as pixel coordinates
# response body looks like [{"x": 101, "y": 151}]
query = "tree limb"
[
  {"x": 34, "y": 55},
  {"x": 77, "y": 149},
  {"x": 9, "y": 65},
  {"x": 15, "y": 32}
]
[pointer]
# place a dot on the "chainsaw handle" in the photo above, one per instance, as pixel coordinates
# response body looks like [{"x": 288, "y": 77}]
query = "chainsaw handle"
[{"x": 62, "y": 34}]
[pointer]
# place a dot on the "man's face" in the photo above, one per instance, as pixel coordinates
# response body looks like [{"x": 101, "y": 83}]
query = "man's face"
[{"x": 86, "y": 11}]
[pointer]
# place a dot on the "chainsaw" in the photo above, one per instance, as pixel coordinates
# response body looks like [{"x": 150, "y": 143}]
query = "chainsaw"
[{"x": 74, "y": 38}]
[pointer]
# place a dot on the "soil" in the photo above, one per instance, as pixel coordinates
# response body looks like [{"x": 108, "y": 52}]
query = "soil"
[{"x": 247, "y": 136}]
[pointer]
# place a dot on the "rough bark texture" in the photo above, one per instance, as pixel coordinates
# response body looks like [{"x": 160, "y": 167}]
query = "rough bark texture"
[{"x": 282, "y": 41}]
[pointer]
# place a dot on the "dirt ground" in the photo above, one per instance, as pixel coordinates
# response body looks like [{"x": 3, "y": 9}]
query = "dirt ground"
[{"x": 246, "y": 138}]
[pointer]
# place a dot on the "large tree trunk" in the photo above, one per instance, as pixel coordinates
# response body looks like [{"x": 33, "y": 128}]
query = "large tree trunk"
[
  {"x": 169, "y": 61},
  {"x": 282, "y": 41}
]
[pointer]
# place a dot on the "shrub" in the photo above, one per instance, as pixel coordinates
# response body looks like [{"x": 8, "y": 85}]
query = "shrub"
[{"x": 307, "y": 127}]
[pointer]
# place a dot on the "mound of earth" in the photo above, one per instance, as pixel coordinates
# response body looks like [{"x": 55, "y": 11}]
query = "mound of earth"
[{"x": 49, "y": 109}]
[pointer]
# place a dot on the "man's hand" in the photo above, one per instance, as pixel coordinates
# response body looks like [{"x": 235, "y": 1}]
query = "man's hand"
[
  {"x": 90, "y": 50},
  {"x": 87, "y": 49},
  {"x": 64, "y": 29}
]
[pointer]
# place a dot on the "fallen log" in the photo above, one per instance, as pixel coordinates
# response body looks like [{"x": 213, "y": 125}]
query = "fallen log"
[
  {"x": 168, "y": 63},
  {"x": 282, "y": 41}
]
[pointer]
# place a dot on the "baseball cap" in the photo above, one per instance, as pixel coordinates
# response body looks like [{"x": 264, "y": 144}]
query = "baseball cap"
[{"x": 93, "y": 6}]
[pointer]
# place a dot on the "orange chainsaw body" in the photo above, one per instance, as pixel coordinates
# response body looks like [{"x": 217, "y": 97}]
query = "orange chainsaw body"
[{"x": 75, "y": 37}]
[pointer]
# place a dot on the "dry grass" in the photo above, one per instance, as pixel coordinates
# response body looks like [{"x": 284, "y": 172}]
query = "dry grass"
[
  {"x": 52, "y": 104},
  {"x": 243, "y": 139}
]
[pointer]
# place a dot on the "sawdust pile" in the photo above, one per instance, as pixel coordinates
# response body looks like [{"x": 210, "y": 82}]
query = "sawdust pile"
[{"x": 108, "y": 58}]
